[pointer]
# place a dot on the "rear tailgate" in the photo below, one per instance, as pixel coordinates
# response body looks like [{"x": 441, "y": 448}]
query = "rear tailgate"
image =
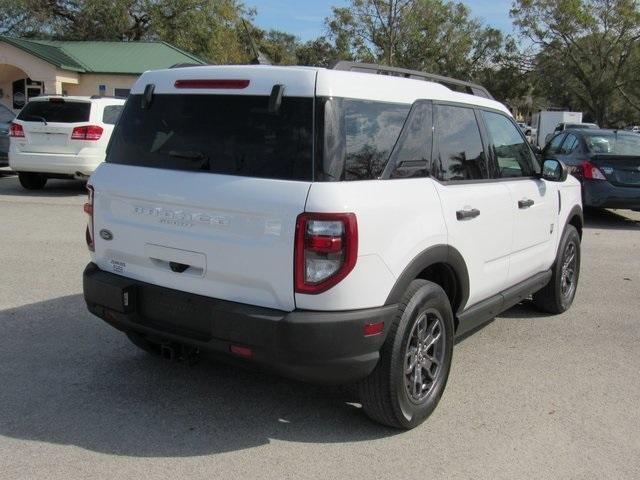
[
  {"x": 235, "y": 234},
  {"x": 620, "y": 170},
  {"x": 203, "y": 184},
  {"x": 48, "y": 125}
]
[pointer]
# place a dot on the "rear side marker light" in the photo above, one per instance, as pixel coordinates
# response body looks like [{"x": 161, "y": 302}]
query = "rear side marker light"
[
  {"x": 240, "y": 351},
  {"x": 87, "y": 132},
  {"x": 372, "y": 329},
  {"x": 16, "y": 130},
  {"x": 88, "y": 209},
  {"x": 226, "y": 84},
  {"x": 326, "y": 250}
]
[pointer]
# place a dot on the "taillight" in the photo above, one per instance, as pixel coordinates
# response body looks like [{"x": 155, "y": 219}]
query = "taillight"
[
  {"x": 16, "y": 130},
  {"x": 591, "y": 172},
  {"x": 326, "y": 250},
  {"x": 88, "y": 209},
  {"x": 88, "y": 132}
]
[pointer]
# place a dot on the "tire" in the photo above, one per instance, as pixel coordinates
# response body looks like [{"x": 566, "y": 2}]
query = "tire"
[
  {"x": 559, "y": 293},
  {"x": 32, "y": 181},
  {"x": 143, "y": 344},
  {"x": 389, "y": 395}
]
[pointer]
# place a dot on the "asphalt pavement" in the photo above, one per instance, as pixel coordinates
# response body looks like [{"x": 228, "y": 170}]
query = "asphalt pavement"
[{"x": 529, "y": 395}]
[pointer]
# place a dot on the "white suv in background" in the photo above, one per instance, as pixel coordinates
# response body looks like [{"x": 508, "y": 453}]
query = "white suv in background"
[
  {"x": 61, "y": 137},
  {"x": 330, "y": 225}
]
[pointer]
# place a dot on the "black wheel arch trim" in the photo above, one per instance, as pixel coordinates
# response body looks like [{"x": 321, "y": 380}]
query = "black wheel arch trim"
[
  {"x": 576, "y": 211},
  {"x": 437, "y": 254}
]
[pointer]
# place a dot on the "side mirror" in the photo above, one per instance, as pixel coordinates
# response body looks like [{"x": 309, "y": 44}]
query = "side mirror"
[{"x": 554, "y": 170}]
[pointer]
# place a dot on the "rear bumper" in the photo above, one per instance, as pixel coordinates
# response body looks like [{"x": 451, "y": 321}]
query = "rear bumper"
[
  {"x": 57, "y": 163},
  {"x": 602, "y": 194},
  {"x": 313, "y": 346}
]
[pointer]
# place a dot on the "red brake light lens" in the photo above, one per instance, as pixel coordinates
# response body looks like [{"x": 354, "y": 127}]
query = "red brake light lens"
[
  {"x": 591, "y": 172},
  {"x": 88, "y": 209},
  {"x": 16, "y": 130},
  {"x": 227, "y": 84},
  {"x": 88, "y": 132},
  {"x": 326, "y": 250}
]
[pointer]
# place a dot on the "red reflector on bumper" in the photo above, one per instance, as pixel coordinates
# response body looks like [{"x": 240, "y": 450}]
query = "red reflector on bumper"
[
  {"x": 245, "y": 352},
  {"x": 371, "y": 329}
]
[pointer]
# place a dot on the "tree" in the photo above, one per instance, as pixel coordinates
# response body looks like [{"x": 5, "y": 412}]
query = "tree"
[{"x": 586, "y": 49}]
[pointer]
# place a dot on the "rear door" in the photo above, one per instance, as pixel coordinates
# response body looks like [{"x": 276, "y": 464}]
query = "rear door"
[
  {"x": 204, "y": 181},
  {"x": 533, "y": 201},
  {"x": 476, "y": 209},
  {"x": 49, "y": 123}
]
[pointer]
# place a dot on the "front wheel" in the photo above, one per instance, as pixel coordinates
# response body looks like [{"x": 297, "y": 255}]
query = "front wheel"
[
  {"x": 559, "y": 293},
  {"x": 32, "y": 181},
  {"x": 406, "y": 385}
]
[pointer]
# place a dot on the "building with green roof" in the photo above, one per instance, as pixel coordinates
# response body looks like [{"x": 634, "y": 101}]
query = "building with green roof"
[{"x": 31, "y": 67}]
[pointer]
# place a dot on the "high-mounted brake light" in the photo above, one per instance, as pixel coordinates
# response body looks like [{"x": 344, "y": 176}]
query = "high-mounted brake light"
[
  {"x": 228, "y": 84},
  {"x": 326, "y": 250},
  {"x": 591, "y": 172},
  {"x": 16, "y": 130},
  {"x": 87, "y": 132},
  {"x": 88, "y": 209}
]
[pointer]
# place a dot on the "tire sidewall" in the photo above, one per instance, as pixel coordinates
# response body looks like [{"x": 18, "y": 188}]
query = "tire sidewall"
[
  {"x": 408, "y": 412},
  {"x": 570, "y": 234}
]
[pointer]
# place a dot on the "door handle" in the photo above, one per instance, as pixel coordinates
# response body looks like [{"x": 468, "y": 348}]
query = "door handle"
[
  {"x": 467, "y": 214},
  {"x": 522, "y": 204}
]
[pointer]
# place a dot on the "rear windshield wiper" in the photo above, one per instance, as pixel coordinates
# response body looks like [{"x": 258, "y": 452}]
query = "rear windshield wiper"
[
  {"x": 192, "y": 155},
  {"x": 37, "y": 117}
]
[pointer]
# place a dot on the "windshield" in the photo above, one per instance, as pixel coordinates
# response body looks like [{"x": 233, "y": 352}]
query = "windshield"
[
  {"x": 613, "y": 143},
  {"x": 226, "y": 134},
  {"x": 56, "y": 110}
]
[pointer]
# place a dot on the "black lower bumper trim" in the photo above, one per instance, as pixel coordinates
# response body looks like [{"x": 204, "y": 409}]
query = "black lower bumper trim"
[{"x": 314, "y": 346}]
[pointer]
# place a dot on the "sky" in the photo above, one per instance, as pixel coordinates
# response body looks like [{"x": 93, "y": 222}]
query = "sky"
[{"x": 305, "y": 18}]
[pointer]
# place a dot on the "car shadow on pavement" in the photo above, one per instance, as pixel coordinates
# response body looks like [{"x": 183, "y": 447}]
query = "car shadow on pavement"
[
  {"x": 9, "y": 185},
  {"x": 68, "y": 378},
  {"x": 610, "y": 220}
]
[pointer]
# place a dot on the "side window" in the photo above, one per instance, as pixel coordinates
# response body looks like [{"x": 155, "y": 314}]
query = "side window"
[
  {"x": 569, "y": 145},
  {"x": 512, "y": 154},
  {"x": 412, "y": 155},
  {"x": 6, "y": 115},
  {"x": 554, "y": 144},
  {"x": 111, "y": 113},
  {"x": 460, "y": 151}
]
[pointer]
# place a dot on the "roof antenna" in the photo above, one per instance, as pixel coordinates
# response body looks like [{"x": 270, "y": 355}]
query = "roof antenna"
[{"x": 259, "y": 58}]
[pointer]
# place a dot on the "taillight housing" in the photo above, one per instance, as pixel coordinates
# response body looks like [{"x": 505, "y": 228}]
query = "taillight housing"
[
  {"x": 16, "y": 130},
  {"x": 88, "y": 209},
  {"x": 326, "y": 250},
  {"x": 87, "y": 132},
  {"x": 591, "y": 172}
]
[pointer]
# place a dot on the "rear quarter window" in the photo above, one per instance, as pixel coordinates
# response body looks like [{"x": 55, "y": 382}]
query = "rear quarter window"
[
  {"x": 111, "y": 113},
  {"x": 56, "y": 110}
]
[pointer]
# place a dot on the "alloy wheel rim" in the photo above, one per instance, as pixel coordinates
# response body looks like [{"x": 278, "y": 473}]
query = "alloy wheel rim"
[
  {"x": 569, "y": 270},
  {"x": 424, "y": 355}
]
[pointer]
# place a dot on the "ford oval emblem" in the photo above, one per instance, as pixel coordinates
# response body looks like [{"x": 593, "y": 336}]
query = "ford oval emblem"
[{"x": 106, "y": 234}]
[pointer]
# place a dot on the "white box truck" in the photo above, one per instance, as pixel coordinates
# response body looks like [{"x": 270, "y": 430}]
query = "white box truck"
[{"x": 546, "y": 121}]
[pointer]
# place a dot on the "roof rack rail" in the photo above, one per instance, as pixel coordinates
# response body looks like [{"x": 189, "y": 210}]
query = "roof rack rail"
[
  {"x": 469, "y": 87},
  {"x": 95, "y": 97}
]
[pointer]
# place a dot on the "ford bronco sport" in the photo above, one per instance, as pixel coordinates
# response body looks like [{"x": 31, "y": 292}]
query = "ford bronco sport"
[{"x": 330, "y": 225}]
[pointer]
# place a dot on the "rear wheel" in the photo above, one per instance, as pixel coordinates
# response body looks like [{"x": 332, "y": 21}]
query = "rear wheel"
[
  {"x": 32, "y": 181},
  {"x": 415, "y": 360},
  {"x": 559, "y": 293}
]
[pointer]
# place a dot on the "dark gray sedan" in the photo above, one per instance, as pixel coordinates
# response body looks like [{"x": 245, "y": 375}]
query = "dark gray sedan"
[
  {"x": 607, "y": 163},
  {"x": 6, "y": 117}
]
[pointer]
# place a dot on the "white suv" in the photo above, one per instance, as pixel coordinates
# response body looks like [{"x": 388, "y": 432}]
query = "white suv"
[
  {"x": 329, "y": 225},
  {"x": 61, "y": 137}
]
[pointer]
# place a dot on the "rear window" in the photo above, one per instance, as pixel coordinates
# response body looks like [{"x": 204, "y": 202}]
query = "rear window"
[
  {"x": 56, "y": 111},
  {"x": 614, "y": 144},
  {"x": 225, "y": 134}
]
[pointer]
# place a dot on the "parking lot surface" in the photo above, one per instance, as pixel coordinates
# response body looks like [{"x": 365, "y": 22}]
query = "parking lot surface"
[{"x": 529, "y": 395}]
